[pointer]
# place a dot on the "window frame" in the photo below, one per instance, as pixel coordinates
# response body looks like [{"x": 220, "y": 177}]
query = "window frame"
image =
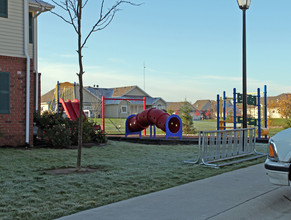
[
  {"x": 121, "y": 109},
  {"x": 30, "y": 27},
  {"x": 4, "y": 14},
  {"x": 8, "y": 92}
]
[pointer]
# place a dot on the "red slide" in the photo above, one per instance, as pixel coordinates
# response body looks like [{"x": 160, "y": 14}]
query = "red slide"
[{"x": 71, "y": 108}]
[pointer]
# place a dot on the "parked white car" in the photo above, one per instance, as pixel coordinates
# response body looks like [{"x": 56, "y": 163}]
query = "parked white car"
[{"x": 279, "y": 158}]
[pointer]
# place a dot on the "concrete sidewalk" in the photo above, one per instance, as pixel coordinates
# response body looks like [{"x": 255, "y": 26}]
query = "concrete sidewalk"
[{"x": 240, "y": 194}]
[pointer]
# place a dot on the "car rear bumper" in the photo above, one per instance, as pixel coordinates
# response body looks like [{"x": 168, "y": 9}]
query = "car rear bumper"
[{"x": 278, "y": 172}]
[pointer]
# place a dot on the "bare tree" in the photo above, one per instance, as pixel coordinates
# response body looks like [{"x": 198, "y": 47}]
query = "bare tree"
[
  {"x": 72, "y": 14},
  {"x": 284, "y": 105}
]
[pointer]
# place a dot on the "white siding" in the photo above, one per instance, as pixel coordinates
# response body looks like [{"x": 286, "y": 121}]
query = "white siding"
[
  {"x": 30, "y": 50},
  {"x": 160, "y": 105},
  {"x": 111, "y": 111},
  {"x": 11, "y": 35}
]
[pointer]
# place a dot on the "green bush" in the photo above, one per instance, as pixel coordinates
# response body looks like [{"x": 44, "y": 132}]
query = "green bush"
[
  {"x": 62, "y": 132},
  {"x": 288, "y": 123},
  {"x": 100, "y": 137},
  {"x": 187, "y": 120},
  {"x": 59, "y": 136}
]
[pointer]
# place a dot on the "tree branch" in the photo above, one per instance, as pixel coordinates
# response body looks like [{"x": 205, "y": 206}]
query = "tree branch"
[
  {"x": 66, "y": 7},
  {"x": 105, "y": 20}
]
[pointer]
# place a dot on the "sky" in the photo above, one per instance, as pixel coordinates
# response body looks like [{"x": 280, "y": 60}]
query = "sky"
[{"x": 190, "y": 49}]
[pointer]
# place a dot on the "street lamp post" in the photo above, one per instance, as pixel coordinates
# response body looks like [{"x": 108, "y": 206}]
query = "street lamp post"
[{"x": 244, "y": 5}]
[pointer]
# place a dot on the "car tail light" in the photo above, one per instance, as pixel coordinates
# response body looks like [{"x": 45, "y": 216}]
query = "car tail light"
[{"x": 272, "y": 151}]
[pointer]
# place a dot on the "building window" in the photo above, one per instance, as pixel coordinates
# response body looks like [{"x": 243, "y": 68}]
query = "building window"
[
  {"x": 4, "y": 8},
  {"x": 30, "y": 27},
  {"x": 123, "y": 109},
  {"x": 5, "y": 92}
]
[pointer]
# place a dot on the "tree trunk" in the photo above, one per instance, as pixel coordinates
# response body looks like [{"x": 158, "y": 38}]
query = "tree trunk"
[{"x": 81, "y": 71}]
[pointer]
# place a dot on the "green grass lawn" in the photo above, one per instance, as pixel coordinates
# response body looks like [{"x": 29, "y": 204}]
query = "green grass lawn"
[
  {"x": 117, "y": 125},
  {"x": 273, "y": 131},
  {"x": 125, "y": 170},
  {"x": 112, "y": 124},
  {"x": 278, "y": 122}
]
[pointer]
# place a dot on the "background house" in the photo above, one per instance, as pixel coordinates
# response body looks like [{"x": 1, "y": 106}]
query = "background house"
[
  {"x": 174, "y": 107},
  {"x": 124, "y": 108},
  {"x": 207, "y": 108},
  {"x": 275, "y": 106},
  {"x": 113, "y": 108},
  {"x": 19, "y": 77}
]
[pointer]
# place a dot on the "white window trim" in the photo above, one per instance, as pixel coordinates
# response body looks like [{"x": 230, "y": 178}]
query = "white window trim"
[{"x": 121, "y": 107}]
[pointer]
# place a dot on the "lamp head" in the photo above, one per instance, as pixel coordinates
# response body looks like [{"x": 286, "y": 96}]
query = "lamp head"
[{"x": 244, "y": 4}]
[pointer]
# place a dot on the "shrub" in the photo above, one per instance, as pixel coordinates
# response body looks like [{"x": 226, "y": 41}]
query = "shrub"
[
  {"x": 100, "y": 137},
  {"x": 187, "y": 120},
  {"x": 63, "y": 132},
  {"x": 58, "y": 136},
  {"x": 288, "y": 123}
]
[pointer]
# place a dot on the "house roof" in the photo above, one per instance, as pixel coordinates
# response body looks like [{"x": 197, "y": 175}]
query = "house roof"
[
  {"x": 113, "y": 92},
  {"x": 177, "y": 105},
  {"x": 120, "y": 91},
  {"x": 99, "y": 92},
  {"x": 204, "y": 104},
  {"x": 39, "y": 5},
  {"x": 48, "y": 96}
]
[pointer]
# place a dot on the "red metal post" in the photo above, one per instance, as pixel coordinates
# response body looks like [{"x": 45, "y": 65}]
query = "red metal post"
[
  {"x": 144, "y": 108},
  {"x": 103, "y": 114}
]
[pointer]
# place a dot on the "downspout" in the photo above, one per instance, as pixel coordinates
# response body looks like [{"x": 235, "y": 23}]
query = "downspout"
[
  {"x": 35, "y": 56},
  {"x": 35, "y": 61},
  {"x": 25, "y": 16}
]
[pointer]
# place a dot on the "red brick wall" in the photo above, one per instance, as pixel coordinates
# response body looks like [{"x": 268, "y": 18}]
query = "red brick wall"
[{"x": 12, "y": 125}]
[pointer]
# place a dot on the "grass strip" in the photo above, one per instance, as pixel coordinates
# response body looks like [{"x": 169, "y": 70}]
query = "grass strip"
[{"x": 124, "y": 170}]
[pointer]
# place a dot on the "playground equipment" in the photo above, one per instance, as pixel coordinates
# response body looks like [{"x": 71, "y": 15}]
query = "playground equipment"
[
  {"x": 65, "y": 91},
  {"x": 251, "y": 100},
  {"x": 71, "y": 108},
  {"x": 171, "y": 124}
]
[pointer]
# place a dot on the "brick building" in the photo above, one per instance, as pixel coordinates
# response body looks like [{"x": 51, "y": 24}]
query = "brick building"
[{"x": 19, "y": 77}]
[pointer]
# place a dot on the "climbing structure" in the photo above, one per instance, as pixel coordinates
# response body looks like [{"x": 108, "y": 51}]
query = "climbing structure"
[{"x": 65, "y": 91}]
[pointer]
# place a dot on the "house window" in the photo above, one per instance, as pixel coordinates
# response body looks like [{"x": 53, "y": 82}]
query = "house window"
[
  {"x": 4, "y": 8},
  {"x": 30, "y": 27},
  {"x": 5, "y": 92},
  {"x": 123, "y": 109}
]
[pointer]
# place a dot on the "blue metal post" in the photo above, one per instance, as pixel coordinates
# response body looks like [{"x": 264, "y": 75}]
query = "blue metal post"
[
  {"x": 217, "y": 110},
  {"x": 58, "y": 96},
  {"x": 224, "y": 110},
  {"x": 259, "y": 113},
  {"x": 75, "y": 90},
  {"x": 234, "y": 108},
  {"x": 265, "y": 100}
]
